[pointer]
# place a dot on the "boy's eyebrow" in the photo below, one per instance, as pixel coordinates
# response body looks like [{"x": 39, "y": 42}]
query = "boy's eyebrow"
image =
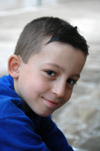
[
  {"x": 76, "y": 75},
  {"x": 61, "y": 68},
  {"x": 57, "y": 66}
]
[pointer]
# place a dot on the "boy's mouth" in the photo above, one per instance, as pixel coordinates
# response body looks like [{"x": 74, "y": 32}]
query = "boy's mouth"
[{"x": 49, "y": 103}]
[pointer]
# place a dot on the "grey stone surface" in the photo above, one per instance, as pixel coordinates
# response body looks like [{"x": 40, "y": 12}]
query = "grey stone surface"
[{"x": 79, "y": 119}]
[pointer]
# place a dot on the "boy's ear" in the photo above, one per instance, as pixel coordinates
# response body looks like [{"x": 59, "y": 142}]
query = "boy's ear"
[{"x": 14, "y": 63}]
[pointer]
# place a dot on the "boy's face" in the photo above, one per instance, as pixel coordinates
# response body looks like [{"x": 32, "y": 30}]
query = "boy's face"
[{"x": 46, "y": 82}]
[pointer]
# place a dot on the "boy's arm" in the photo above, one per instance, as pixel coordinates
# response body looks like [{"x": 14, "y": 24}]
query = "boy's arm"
[
  {"x": 17, "y": 134},
  {"x": 53, "y": 137}
]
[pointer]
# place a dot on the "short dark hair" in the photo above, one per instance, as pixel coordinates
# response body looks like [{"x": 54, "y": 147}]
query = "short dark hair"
[{"x": 59, "y": 30}]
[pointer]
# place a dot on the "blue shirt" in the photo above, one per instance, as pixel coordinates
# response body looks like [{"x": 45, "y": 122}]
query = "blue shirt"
[{"x": 20, "y": 131}]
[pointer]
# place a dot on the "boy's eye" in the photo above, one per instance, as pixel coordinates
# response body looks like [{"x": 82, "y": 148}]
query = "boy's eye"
[
  {"x": 71, "y": 81},
  {"x": 51, "y": 73}
]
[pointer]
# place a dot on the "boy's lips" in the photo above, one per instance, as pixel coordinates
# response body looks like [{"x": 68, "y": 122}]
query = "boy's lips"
[{"x": 49, "y": 103}]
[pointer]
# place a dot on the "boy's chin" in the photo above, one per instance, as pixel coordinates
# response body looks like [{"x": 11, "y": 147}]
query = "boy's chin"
[{"x": 45, "y": 114}]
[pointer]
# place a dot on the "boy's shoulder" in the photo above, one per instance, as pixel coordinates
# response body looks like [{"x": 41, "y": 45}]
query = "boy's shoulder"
[
  {"x": 10, "y": 103},
  {"x": 7, "y": 88},
  {"x": 6, "y": 85}
]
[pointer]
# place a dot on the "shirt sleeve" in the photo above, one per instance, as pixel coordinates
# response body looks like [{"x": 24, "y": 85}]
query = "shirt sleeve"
[
  {"x": 17, "y": 134},
  {"x": 53, "y": 137}
]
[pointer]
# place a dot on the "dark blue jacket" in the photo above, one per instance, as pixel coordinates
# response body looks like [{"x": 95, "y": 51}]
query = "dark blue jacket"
[{"x": 21, "y": 132}]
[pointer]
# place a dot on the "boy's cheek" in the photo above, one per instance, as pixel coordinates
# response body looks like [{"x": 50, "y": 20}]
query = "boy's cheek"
[{"x": 68, "y": 96}]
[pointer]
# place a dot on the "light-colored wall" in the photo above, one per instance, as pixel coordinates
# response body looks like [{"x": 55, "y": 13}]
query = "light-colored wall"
[{"x": 15, "y": 4}]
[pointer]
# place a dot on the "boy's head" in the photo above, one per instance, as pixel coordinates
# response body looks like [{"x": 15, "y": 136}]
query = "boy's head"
[
  {"x": 31, "y": 38},
  {"x": 47, "y": 63}
]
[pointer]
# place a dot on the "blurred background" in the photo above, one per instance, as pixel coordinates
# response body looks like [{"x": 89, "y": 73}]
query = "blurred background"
[{"x": 79, "y": 119}]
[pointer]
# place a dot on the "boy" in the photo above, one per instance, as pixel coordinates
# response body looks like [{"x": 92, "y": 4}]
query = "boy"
[{"x": 43, "y": 70}]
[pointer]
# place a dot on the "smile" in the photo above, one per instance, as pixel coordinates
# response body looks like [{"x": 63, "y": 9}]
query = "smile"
[{"x": 51, "y": 104}]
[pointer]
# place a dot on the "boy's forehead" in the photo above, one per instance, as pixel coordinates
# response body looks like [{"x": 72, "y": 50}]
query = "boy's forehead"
[{"x": 51, "y": 49}]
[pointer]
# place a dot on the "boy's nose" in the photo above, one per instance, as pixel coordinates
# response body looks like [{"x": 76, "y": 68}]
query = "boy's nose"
[{"x": 59, "y": 89}]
